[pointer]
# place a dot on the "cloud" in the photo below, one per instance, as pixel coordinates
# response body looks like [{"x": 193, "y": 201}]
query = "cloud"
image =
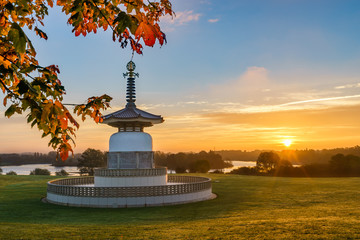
[
  {"x": 255, "y": 92},
  {"x": 253, "y": 77},
  {"x": 321, "y": 100},
  {"x": 355, "y": 85},
  {"x": 310, "y": 104},
  {"x": 253, "y": 82},
  {"x": 213, "y": 20},
  {"x": 181, "y": 18}
]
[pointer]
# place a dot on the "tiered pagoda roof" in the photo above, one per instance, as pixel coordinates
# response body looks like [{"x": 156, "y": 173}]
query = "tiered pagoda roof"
[{"x": 131, "y": 115}]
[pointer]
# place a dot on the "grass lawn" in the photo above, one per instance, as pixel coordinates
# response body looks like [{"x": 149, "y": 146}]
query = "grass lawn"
[{"x": 247, "y": 207}]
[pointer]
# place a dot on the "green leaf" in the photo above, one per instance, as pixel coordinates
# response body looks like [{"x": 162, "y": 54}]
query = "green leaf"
[
  {"x": 33, "y": 123},
  {"x": 10, "y": 111},
  {"x": 125, "y": 21},
  {"x": 30, "y": 118},
  {"x": 23, "y": 87},
  {"x": 134, "y": 24},
  {"x": 29, "y": 69},
  {"x": 25, "y": 104},
  {"x": 18, "y": 37}
]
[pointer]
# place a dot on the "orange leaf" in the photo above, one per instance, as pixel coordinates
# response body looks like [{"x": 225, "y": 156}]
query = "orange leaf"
[
  {"x": 145, "y": 32},
  {"x": 63, "y": 123},
  {"x": 72, "y": 120},
  {"x": 58, "y": 104},
  {"x": 64, "y": 154},
  {"x": 50, "y": 2}
]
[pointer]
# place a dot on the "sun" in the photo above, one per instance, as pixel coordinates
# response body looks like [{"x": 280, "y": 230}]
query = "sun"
[{"x": 287, "y": 142}]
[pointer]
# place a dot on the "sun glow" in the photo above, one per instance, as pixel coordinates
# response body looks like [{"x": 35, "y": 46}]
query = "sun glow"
[{"x": 287, "y": 142}]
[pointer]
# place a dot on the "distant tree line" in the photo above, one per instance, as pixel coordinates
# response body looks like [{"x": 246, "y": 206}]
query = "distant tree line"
[
  {"x": 200, "y": 162},
  {"x": 182, "y": 162},
  {"x": 14, "y": 159},
  {"x": 298, "y": 157},
  {"x": 271, "y": 164},
  {"x": 39, "y": 171}
]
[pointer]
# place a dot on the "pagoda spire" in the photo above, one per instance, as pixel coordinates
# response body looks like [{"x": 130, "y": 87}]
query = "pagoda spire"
[
  {"x": 130, "y": 90},
  {"x": 131, "y": 118}
]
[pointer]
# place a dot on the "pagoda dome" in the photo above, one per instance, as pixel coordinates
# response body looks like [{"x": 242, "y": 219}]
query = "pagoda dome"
[{"x": 130, "y": 141}]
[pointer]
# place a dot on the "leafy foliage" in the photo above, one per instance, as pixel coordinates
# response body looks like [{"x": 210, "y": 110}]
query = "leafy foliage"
[
  {"x": 194, "y": 162},
  {"x": 267, "y": 161},
  {"x": 200, "y": 166},
  {"x": 269, "y": 164},
  {"x": 90, "y": 159},
  {"x": 11, "y": 173},
  {"x": 132, "y": 21},
  {"x": 40, "y": 171},
  {"x": 342, "y": 165},
  {"x": 303, "y": 157},
  {"x": 62, "y": 173}
]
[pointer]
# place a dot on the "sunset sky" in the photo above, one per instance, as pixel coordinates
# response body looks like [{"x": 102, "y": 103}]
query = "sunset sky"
[{"x": 235, "y": 74}]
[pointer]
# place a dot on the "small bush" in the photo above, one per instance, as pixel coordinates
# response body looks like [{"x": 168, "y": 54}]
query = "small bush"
[
  {"x": 1, "y": 171},
  {"x": 40, "y": 171},
  {"x": 245, "y": 171},
  {"x": 62, "y": 173},
  {"x": 11, "y": 173}
]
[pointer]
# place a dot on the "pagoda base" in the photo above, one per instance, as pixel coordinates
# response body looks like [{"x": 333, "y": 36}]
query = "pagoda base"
[
  {"x": 82, "y": 192},
  {"x": 128, "y": 202}
]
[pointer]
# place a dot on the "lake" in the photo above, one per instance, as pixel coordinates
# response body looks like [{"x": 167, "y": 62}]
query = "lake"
[
  {"x": 238, "y": 164},
  {"x": 73, "y": 171},
  {"x": 26, "y": 169}
]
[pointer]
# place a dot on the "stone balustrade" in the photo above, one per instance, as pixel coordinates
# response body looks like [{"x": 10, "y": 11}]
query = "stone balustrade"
[{"x": 180, "y": 185}]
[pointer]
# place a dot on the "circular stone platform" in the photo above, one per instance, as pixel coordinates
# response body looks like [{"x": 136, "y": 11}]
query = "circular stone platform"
[{"x": 81, "y": 192}]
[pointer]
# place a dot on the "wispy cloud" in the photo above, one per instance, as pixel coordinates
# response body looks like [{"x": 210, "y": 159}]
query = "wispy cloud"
[
  {"x": 355, "y": 85},
  {"x": 214, "y": 20},
  {"x": 181, "y": 18},
  {"x": 320, "y": 100},
  {"x": 311, "y": 104}
]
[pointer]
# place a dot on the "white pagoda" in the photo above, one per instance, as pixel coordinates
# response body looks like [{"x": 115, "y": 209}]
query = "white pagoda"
[{"x": 130, "y": 179}]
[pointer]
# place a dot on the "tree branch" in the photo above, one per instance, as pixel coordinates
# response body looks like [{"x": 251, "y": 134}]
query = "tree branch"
[{"x": 102, "y": 15}]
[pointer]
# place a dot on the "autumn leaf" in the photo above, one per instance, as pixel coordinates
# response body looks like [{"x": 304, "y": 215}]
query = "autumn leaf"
[
  {"x": 41, "y": 33},
  {"x": 146, "y": 32}
]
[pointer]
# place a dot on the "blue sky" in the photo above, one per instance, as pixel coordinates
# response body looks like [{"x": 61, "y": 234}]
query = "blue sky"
[{"x": 227, "y": 64}]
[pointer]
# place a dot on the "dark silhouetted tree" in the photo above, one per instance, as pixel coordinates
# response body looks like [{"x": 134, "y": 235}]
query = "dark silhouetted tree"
[
  {"x": 40, "y": 171},
  {"x": 11, "y": 173},
  {"x": 200, "y": 166},
  {"x": 267, "y": 161},
  {"x": 90, "y": 159},
  {"x": 62, "y": 173}
]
